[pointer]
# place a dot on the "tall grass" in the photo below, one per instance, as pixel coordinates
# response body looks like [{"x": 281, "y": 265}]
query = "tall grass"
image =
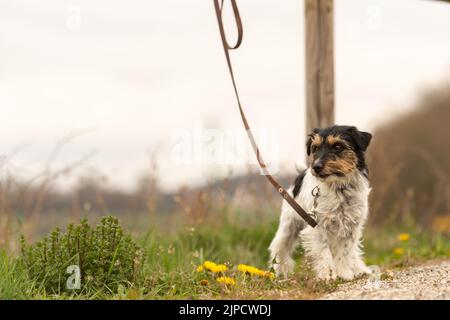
[{"x": 13, "y": 281}]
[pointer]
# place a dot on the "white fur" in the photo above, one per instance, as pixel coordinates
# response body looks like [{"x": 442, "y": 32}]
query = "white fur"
[
  {"x": 334, "y": 245},
  {"x": 300, "y": 166}
]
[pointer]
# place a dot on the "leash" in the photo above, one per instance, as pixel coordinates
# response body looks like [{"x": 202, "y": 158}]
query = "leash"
[{"x": 227, "y": 47}]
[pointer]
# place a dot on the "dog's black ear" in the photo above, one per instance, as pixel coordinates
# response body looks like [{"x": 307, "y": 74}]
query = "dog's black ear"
[
  {"x": 361, "y": 138},
  {"x": 309, "y": 140}
]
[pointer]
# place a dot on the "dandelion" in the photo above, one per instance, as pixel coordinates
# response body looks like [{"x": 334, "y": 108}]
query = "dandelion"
[
  {"x": 200, "y": 268},
  {"x": 399, "y": 251},
  {"x": 226, "y": 280},
  {"x": 403, "y": 237},
  {"x": 213, "y": 267},
  {"x": 254, "y": 271}
]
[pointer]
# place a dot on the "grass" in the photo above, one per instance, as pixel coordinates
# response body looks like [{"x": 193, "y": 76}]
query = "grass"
[{"x": 170, "y": 271}]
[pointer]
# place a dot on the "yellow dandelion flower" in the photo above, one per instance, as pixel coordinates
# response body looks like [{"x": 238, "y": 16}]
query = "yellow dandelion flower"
[
  {"x": 213, "y": 267},
  {"x": 403, "y": 237},
  {"x": 399, "y": 251},
  {"x": 200, "y": 268},
  {"x": 254, "y": 271},
  {"x": 226, "y": 280},
  {"x": 221, "y": 268}
]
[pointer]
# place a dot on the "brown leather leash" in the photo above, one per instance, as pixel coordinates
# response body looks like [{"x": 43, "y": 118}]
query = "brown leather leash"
[{"x": 227, "y": 48}]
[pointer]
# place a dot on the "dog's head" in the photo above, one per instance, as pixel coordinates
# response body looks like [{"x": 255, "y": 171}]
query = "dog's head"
[{"x": 337, "y": 151}]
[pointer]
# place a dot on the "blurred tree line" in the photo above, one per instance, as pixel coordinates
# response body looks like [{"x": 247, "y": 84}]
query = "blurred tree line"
[{"x": 409, "y": 161}]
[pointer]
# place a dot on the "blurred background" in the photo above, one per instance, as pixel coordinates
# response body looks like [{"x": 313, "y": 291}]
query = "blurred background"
[{"x": 127, "y": 109}]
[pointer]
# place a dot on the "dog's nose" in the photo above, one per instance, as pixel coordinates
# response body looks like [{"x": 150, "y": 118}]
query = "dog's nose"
[{"x": 317, "y": 167}]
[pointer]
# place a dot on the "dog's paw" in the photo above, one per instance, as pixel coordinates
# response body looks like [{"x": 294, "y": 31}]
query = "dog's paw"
[
  {"x": 284, "y": 269},
  {"x": 345, "y": 274},
  {"x": 362, "y": 270},
  {"x": 326, "y": 274}
]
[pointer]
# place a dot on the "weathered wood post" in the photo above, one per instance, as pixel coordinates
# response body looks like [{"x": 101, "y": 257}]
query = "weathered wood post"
[{"x": 319, "y": 53}]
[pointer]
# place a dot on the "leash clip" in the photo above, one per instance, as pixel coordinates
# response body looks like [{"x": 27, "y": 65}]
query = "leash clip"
[
  {"x": 315, "y": 192},
  {"x": 313, "y": 215}
]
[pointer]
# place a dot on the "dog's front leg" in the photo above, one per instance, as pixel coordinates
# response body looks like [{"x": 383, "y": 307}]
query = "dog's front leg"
[
  {"x": 348, "y": 257},
  {"x": 324, "y": 265},
  {"x": 356, "y": 257},
  {"x": 284, "y": 242},
  {"x": 346, "y": 248},
  {"x": 316, "y": 245},
  {"x": 342, "y": 251}
]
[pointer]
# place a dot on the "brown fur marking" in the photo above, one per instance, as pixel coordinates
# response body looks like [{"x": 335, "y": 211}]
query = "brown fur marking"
[
  {"x": 316, "y": 140},
  {"x": 345, "y": 163},
  {"x": 331, "y": 140}
]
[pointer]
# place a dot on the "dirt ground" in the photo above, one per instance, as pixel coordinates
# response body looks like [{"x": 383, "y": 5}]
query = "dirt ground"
[{"x": 427, "y": 281}]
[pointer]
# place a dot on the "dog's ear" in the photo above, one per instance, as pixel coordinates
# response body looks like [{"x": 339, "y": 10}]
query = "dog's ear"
[
  {"x": 309, "y": 140},
  {"x": 361, "y": 138}
]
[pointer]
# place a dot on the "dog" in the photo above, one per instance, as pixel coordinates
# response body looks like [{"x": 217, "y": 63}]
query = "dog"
[{"x": 335, "y": 188}]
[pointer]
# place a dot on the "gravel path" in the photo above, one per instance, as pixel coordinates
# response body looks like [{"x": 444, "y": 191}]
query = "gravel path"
[{"x": 428, "y": 281}]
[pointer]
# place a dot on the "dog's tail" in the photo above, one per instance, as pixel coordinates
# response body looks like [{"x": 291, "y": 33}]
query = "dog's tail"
[{"x": 300, "y": 166}]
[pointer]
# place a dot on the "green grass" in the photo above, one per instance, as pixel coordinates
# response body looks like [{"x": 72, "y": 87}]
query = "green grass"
[
  {"x": 171, "y": 262},
  {"x": 13, "y": 280}
]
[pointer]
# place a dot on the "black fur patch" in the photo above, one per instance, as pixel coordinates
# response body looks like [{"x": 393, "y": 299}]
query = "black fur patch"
[{"x": 298, "y": 183}]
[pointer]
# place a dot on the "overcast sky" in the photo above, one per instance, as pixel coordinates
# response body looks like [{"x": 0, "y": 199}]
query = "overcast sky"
[{"x": 135, "y": 76}]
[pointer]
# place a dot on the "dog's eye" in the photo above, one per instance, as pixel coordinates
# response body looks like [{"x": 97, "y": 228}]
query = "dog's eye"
[{"x": 338, "y": 147}]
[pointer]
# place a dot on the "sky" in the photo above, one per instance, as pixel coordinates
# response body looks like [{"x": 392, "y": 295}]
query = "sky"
[{"x": 138, "y": 80}]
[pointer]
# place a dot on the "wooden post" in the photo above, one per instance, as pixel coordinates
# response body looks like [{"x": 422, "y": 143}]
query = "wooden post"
[{"x": 319, "y": 54}]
